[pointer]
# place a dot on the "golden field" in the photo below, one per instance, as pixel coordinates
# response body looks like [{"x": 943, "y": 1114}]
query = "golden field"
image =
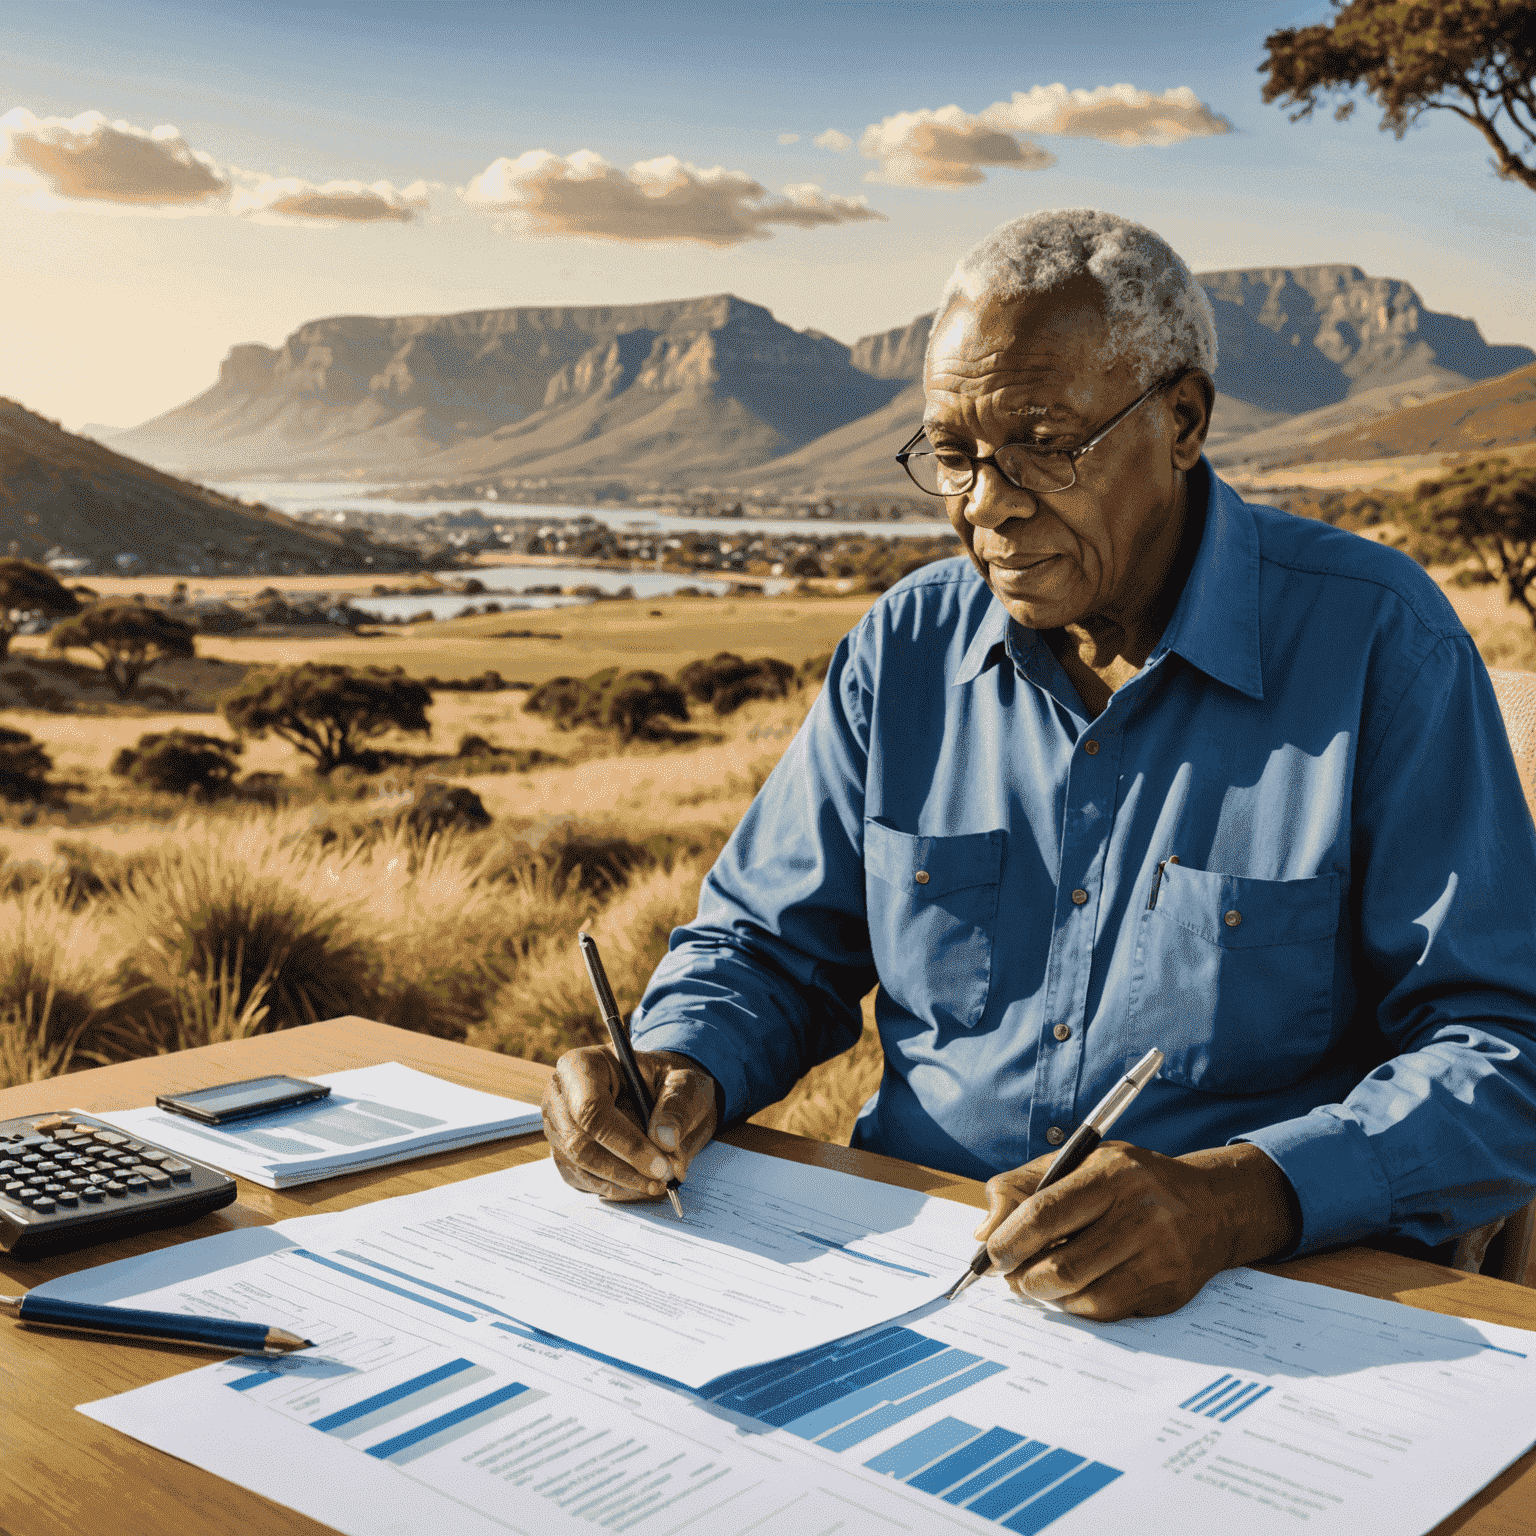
[{"x": 133, "y": 922}]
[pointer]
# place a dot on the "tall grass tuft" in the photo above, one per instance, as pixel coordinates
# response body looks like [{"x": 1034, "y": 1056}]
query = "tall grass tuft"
[
  {"x": 57, "y": 983},
  {"x": 547, "y": 1007},
  {"x": 247, "y": 900}
]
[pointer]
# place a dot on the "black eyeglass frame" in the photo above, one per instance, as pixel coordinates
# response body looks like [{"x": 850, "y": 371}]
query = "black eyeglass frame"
[{"x": 1071, "y": 455}]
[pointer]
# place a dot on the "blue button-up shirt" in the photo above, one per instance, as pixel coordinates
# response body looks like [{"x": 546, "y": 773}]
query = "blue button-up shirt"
[{"x": 1292, "y": 852}]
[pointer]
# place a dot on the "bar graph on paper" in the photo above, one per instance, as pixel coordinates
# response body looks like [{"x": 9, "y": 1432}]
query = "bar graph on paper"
[
  {"x": 502, "y": 1431},
  {"x": 845, "y": 1395},
  {"x": 1225, "y": 1398}
]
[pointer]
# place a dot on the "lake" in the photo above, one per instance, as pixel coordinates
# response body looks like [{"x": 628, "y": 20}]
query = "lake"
[
  {"x": 505, "y": 584},
  {"x": 295, "y": 496}
]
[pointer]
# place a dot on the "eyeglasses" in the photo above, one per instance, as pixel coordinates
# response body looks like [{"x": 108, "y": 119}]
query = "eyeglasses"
[{"x": 948, "y": 471}]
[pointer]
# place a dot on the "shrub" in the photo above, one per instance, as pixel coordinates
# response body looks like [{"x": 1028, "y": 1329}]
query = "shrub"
[
  {"x": 328, "y": 711},
  {"x": 129, "y": 640},
  {"x": 24, "y": 768},
  {"x": 442, "y": 808},
  {"x": 180, "y": 763},
  {"x": 726, "y": 681},
  {"x": 471, "y": 745},
  {"x": 630, "y": 702}
]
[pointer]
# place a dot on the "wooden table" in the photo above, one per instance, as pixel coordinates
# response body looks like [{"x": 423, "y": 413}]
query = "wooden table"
[{"x": 62, "y": 1472}]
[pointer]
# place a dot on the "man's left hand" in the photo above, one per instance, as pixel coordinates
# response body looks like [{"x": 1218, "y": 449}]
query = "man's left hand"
[{"x": 1133, "y": 1233}]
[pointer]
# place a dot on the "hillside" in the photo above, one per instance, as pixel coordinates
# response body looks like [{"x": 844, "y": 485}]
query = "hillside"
[
  {"x": 1497, "y": 414},
  {"x": 716, "y": 391},
  {"x": 58, "y": 490}
]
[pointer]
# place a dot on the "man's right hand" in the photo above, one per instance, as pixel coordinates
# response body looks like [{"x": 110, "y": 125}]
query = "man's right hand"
[{"x": 597, "y": 1146}]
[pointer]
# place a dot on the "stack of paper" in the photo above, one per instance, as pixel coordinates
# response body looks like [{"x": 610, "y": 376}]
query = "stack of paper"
[
  {"x": 438, "y": 1398},
  {"x": 374, "y": 1116}
]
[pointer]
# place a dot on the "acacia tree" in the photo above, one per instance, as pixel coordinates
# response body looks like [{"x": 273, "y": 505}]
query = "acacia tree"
[
  {"x": 1475, "y": 58},
  {"x": 30, "y": 591},
  {"x": 327, "y": 712},
  {"x": 1489, "y": 509},
  {"x": 128, "y": 639}
]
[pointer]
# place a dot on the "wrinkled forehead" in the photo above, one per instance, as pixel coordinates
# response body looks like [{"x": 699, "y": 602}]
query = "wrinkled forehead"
[{"x": 1060, "y": 328}]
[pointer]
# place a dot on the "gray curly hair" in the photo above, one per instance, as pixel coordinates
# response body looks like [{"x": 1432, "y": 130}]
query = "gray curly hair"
[{"x": 1158, "y": 317}]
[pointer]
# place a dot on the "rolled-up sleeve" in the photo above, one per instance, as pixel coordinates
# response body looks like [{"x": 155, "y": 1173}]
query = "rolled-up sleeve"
[
  {"x": 766, "y": 982},
  {"x": 1441, "y": 1137}
]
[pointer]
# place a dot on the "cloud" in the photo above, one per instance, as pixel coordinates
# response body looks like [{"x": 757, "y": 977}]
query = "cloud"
[
  {"x": 90, "y": 159},
  {"x": 789, "y": 138},
  {"x": 832, "y": 139},
  {"x": 333, "y": 202},
  {"x": 945, "y": 148},
  {"x": 948, "y": 147},
  {"x": 1115, "y": 114},
  {"x": 662, "y": 199}
]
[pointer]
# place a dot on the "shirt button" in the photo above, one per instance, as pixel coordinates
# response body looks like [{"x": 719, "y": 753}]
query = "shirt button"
[
  {"x": 1063, "y": 1031},
  {"x": 1091, "y": 747},
  {"x": 1055, "y": 1135},
  {"x": 1233, "y": 918},
  {"x": 1079, "y": 897},
  {"x": 921, "y": 877}
]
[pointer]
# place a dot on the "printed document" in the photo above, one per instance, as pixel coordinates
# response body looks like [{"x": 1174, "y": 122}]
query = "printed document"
[
  {"x": 1265, "y": 1406},
  {"x": 373, "y": 1116}
]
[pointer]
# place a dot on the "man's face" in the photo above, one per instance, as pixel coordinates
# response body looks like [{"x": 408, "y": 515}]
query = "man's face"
[{"x": 1029, "y": 371}]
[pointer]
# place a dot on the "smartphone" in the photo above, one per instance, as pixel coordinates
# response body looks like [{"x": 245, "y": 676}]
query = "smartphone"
[{"x": 239, "y": 1101}]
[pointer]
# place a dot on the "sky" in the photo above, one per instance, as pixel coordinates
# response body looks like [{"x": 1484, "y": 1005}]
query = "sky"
[{"x": 250, "y": 166}]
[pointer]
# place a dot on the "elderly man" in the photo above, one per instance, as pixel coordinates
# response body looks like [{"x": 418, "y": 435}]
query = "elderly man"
[{"x": 1150, "y": 767}]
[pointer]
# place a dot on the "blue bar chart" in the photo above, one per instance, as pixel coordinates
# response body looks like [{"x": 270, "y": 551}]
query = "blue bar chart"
[
  {"x": 847, "y": 1393},
  {"x": 1225, "y": 1398}
]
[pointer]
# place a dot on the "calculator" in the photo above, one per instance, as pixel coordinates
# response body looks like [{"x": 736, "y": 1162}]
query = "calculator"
[{"x": 67, "y": 1181}]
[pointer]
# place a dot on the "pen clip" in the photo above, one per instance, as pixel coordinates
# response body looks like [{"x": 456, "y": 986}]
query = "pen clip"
[{"x": 1157, "y": 879}]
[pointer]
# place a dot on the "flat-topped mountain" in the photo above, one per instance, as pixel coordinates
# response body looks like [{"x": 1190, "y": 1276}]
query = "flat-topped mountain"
[
  {"x": 60, "y": 490},
  {"x": 640, "y": 389},
  {"x": 716, "y": 390}
]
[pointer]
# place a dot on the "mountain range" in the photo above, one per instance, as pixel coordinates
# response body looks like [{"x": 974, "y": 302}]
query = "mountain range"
[{"x": 710, "y": 390}]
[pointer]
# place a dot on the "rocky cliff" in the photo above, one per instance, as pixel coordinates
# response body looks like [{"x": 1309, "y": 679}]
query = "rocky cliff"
[
  {"x": 715, "y": 389},
  {"x": 384, "y": 396}
]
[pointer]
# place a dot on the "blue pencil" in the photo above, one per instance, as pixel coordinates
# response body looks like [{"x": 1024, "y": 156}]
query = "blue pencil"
[{"x": 167, "y": 1327}]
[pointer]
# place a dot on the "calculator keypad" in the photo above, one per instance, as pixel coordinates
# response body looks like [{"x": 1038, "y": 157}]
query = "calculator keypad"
[{"x": 58, "y": 1186}]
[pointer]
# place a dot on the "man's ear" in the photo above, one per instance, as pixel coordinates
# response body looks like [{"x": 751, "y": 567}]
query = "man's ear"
[{"x": 1192, "y": 400}]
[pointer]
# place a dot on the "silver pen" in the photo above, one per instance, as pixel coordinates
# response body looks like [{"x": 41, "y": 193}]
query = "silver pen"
[{"x": 1076, "y": 1148}]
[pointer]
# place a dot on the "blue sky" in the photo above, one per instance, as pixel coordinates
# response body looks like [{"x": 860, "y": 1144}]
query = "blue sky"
[{"x": 119, "y": 310}]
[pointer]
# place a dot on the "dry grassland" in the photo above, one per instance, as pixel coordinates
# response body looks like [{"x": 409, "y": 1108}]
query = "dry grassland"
[{"x": 137, "y": 923}]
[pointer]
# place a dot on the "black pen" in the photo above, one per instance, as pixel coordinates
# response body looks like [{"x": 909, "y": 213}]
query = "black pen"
[
  {"x": 163, "y": 1327},
  {"x": 619, "y": 1035},
  {"x": 1076, "y": 1148}
]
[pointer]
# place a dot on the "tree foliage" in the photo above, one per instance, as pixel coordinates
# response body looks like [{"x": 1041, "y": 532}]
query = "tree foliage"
[
  {"x": 1474, "y": 58},
  {"x": 180, "y": 762},
  {"x": 24, "y": 767},
  {"x": 1486, "y": 509},
  {"x": 328, "y": 712},
  {"x": 128, "y": 639},
  {"x": 30, "y": 591}
]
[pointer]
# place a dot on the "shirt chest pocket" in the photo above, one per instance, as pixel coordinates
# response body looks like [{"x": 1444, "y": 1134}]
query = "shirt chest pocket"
[
  {"x": 1233, "y": 978},
  {"x": 932, "y": 909}
]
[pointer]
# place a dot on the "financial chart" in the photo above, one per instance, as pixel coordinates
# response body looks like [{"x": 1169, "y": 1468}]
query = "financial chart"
[{"x": 429, "y": 1405}]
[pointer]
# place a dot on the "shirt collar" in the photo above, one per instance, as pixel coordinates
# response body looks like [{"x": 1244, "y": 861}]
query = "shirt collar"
[{"x": 1215, "y": 626}]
